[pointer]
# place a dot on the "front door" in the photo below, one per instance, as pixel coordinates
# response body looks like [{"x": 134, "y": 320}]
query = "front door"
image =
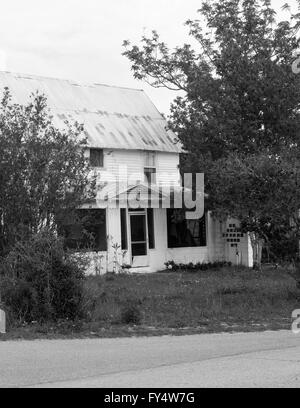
[{"x": 139, "y": 238}]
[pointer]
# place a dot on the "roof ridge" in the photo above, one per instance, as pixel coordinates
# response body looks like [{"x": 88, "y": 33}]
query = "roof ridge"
[
  {"x": 71, "y": 81},
  {"x": 120, "y": 87},
  {"x": 160, "y": 117}
]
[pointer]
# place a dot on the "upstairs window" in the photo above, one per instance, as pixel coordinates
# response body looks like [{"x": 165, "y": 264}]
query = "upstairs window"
[
  {"x": 150, "y": 175},
  {"x": 96, "y": 157},
  {"x": 150, "y": 167}
]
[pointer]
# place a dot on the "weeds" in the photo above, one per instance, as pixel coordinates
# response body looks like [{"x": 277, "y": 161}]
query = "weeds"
[
  {"x": 175, "y": 299},
  {"x": 131, "y": 313},
  {"x": 207, "y": 300}
]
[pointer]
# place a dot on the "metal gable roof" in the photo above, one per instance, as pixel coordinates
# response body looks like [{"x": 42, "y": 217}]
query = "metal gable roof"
[{"x": 113, "y": 117}]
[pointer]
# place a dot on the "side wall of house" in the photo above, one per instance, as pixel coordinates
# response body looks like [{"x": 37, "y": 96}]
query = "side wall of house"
[{"x": 227, "y": 243}]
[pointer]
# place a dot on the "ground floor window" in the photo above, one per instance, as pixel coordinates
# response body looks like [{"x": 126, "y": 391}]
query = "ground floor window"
[
  {"x": 86, "y": 230},
  {"x": 185, "y": 233}
]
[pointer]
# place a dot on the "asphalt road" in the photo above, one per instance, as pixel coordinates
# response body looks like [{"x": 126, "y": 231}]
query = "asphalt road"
[{"x": 268, "y": 359}]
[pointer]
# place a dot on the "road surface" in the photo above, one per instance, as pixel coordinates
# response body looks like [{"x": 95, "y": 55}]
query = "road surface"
[{"x": 266, "y": 359}]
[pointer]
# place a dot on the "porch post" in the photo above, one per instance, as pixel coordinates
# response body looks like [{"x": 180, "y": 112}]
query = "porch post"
[{"x": 2, "y": 322}]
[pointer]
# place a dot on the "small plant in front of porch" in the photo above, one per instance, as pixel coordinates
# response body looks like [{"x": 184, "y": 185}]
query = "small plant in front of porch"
[
  {"x": 98, "y": 259},
  {"x": 116, "y": 247},
  {"x": 173, "y": 266},
  {"x": 119, "y": 267}
]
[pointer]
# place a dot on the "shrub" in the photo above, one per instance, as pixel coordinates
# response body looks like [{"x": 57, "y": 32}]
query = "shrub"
[
  {"x": 40, "y": 281},
  {"x": 200, "y": 266},
  {"x": 131, "y": 313}
]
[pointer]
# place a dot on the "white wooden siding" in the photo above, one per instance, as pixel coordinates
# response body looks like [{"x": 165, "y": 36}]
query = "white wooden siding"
[
  {"x": 168, "y": 168},
  {"x": 134, "y": 162}
]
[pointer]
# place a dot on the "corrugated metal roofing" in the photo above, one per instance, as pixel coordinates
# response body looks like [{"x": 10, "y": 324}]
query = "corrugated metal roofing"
[{"x": 113, "y": 117}]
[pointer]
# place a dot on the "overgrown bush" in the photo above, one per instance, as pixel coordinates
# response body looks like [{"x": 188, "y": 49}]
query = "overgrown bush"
[
  {"x": 280, "y": 249},
  {"x": 39, "y": 281},
  {"x": 131, "y": 312}
]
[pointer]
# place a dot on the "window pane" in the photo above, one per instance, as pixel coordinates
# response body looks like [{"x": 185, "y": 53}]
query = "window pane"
[
  {"x": 138, "y": 228},
  {"x": 185, "y": 233},
  {"x": 150, "y": 228},
  {"x": 124, "y": 242},
  {"x": 87, "y": 231},
  {"x": 150, "y": 159},
  {"x": 96, "y": 157}
]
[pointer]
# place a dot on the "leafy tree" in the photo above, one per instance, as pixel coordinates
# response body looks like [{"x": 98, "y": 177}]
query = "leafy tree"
[
  {"x": 239, "y": 91},
  {"x": 263, "y": 192},
  {"x": 238, "y": 109},
  {"x": 43, "y": 171}
]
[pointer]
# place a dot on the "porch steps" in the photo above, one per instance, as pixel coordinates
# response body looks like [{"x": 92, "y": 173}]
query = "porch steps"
[{"x": 141, "y": 269}]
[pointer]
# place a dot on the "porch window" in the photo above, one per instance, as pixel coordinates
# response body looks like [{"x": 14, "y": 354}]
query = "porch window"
[
  {"x": 96, "y": 157},
  {"x": 150, "y": 220},
  {"x": 86, "y": 230},
  {"x": 124, "y": 240},
  {"x": 184, "y": 233}
]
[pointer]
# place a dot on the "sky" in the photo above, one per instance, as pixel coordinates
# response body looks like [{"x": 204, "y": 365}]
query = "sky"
[{"x": 82, "y": 40}]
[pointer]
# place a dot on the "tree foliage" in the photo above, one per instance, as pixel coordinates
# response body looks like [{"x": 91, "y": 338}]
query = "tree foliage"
[
  {"x": 39, "y": 281},
  {"x": 263, "y": 192},
  {"x": 238, "y": 109},
  {"x": 240, "y": 93},
  {"x": 43, "y": 171}
]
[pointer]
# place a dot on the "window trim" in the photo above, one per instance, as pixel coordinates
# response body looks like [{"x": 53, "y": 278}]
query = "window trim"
[
  {"x": 147, "y": 156},
  {"x": 149, "y": 167},
  {"x": 151, "y": 171}
]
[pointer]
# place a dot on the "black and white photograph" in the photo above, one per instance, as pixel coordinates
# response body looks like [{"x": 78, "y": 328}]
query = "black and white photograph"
[{"x": 150, "y": 197}]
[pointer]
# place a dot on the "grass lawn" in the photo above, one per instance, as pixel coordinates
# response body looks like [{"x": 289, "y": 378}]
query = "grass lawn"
[{"x": 227, "y": 299}]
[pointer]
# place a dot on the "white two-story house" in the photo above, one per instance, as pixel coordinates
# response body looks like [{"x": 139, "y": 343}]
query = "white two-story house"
[{"x": 132, "y": 153}]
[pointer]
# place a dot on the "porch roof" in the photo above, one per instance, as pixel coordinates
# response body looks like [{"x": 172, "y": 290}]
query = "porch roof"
[{"x": 122, "y": 194}]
